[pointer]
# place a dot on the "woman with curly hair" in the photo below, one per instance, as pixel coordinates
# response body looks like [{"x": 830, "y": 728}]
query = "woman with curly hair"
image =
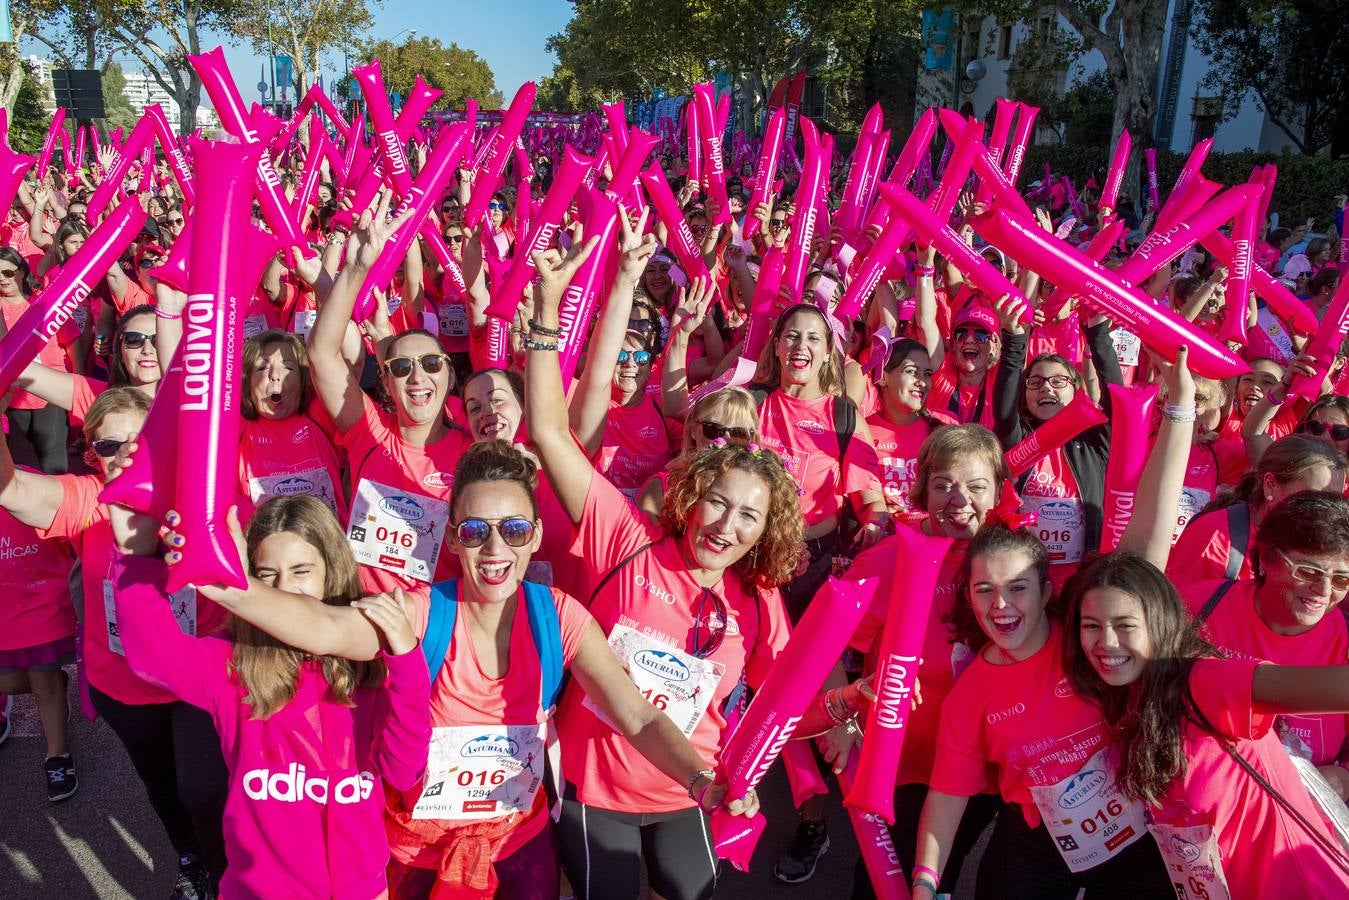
[{"x": 691, "y": 608}]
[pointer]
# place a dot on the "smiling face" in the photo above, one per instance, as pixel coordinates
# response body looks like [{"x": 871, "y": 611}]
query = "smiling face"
[
  {"x": 1008, "y": 600},
  {"x": 289, "y": 563},
  {"x": 727, "y": 520},
  {"x": 420, "y": 397},
  {"x": 1329, "y": 418},
  {"x": 493, "y": 571},
  {"x": 973, "y": 348},
  {"x": 141, "y": 363},
  {"x": 275, "y": 382},
  {"x": 1290, "y": 605},
  {"x": 656, "y": 278},
  {"x": 959, "y": 497},
  {"x": 493, "y": 410},
  {"x": 906, "y": 385},
  {"x": 1255, "y": 384},
  {"x": 1050, "y": 387},
  {"x": 630, "y": 376},
  {"x": 802, "y": 348},
  {"x": 1114, "y": 635}
]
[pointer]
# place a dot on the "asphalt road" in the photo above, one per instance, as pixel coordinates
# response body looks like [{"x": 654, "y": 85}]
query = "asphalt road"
[{"x": 105, "y": 842}]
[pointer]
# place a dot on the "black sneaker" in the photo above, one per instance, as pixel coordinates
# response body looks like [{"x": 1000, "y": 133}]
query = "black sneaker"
[
  {"x": 798, "y": 863},
  {"x": 194, "y": 882},
  {"x": 61, "y": 780}
]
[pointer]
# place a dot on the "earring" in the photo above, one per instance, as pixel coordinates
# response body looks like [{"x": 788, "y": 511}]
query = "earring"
[{"x": 1269, "y": 498}]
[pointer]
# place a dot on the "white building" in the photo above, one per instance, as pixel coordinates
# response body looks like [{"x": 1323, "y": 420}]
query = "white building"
[
  {"x": 1186, "y": 110},
  {"x": 142, "y": 89}
]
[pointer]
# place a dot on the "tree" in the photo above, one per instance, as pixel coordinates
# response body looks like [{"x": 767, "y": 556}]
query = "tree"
[
  {"x": 118, "y": 109},
  {"x": 562, "y": 92},
  {"x": 28, "y": 120},
  {"x": 1292, "y": 54},
  {"x": 302, "y": 29},
  {"x": 460, "y": 73}
]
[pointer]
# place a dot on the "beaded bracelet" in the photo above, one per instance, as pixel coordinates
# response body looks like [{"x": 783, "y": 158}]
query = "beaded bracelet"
[
  {"x": 1180, "y": 414},
  {"x": 544, "y": 330},
  {"x": 701, "y": 773},
  {"x": 925, "y": 271},
  {"x": 531, "y": 344}
]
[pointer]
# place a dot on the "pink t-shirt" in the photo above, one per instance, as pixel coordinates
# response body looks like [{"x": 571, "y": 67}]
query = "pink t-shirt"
[
  {"x": 1022, "y": 720},
  {"x": 35, "y": 582},
  {"x": 942, "y": 660},
  {"x": 1264, "y": 851},
  {"x": 290, "y": 456},
  {"x": 84, "y": 521},
  {"x": 897, "y": 451},
  {"x": 377, "y": 453},
  {"x": 464, "y": 695},
  {"x": 1201, "y": 551},
  {"x": 654, "y": 595},
  {"x": 636, "y": 445},
  {"x": 1235, "y": 627},
  {"x": 802, "y": 433},
  {"x": 52, "y": 354},
  {"x": 83, "y": 392},
  {"x": 1062, "y": 337}
]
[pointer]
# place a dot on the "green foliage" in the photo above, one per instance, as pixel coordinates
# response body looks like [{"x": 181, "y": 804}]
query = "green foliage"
[
  {"x": 119, "y": 111},
  {"x": 28, "y": 120},
  {"x": 458, "y": 72},
  {"x": 1087, "y": 110},
  {"x": 1306, "y": 186}
]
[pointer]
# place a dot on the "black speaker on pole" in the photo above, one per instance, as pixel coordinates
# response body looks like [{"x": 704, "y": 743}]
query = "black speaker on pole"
[{"x": 80, "y": 91}]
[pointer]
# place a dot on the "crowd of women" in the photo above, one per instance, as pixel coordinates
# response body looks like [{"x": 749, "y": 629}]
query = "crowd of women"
[{"x": 499, "y": 621}]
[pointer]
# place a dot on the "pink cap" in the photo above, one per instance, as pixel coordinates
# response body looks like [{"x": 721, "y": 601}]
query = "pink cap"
[{"x": 976, "y": 314}]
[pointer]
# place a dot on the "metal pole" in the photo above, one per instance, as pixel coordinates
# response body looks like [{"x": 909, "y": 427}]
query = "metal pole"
[{"x": 271, "y": 52}]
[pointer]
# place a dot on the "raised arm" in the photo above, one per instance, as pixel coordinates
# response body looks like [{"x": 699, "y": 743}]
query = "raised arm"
[
  {"x": 925, "y": 306},
  {"x": 52, "y": 385},
  {"x": 569, "y": 470},
  {"x": 1301, "y": 689},
  {"x": 1007, "y": 383},
  {"x": 590, "y": 404},
  {"x": 1157, "y": 501},
  {"x": 690, "y": 313}
]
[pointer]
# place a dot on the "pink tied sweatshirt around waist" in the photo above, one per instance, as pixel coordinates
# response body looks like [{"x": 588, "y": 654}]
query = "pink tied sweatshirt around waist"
[{"x": 305, "y": 812}]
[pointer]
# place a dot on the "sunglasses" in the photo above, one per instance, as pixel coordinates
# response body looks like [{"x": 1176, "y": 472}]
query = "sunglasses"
[
  {"x": 1309, "y": 574},
  {"x": 777, "y": 224},
  {"x": 980, "y": 336},
  {"x": 641, "y": 324},
  {"x": 177, "y": 221},
  {"x": 715, "y": 626},
  {"x": 1057, "y": 382},
  {"x": 715, "y": 431},
  {"x": 449, "y": 209},
  {"x": 1318, "y": 429},
  {"x": 455, "y": 238},
  {"x": 516, "y": 531},
  {"x": 107, "y": 447},
  {"x": 8, "y": 273},
  {"x": 496, "y": 205},
  {"x": 134, "y": 340},
  {"x": 430, "y": 363},
  {"x": 149, "y": 262},
  {"x": 640, "y": 357}
]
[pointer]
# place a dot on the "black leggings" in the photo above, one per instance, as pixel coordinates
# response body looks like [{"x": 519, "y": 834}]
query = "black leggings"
[
  {"x": 797, "y": 593},
  {"x": 37, "y": 438},
  {"x": 909, "y": 800},
  {"x": 603, "y": 852},
  {"x": 1021, "y": 863},
  {"x": 176, "y": 752}
]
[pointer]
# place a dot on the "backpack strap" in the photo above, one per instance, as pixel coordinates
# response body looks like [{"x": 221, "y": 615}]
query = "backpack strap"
[
  {"x": 546, "y": 629},
  {"x": 845, "y": 423},
  {"x": 759, "y": 392},
  {"x": 1239, "y": 527},
  {"x": 614, "y": 571},
  {"x": 440, "y": 624},
  {"x": 1213, "y": 601}
]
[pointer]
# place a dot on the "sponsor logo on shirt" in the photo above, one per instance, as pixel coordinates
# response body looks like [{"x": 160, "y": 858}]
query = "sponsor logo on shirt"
[
  {"x": 291, "y": 486},
  {"x": 301, "y": 434},
  {"x": 489, "y": 745},
  {"x": 294, "y": 784},
  {"x": 647, "y": 431},
  {"x": 661, "y": 663},
  {"x": 810, "y": 425},
  {"x": 1083, "y": 787},
  {"x": 1063, "y": 690},
  {"x": 402, "y": 507},
  {"x": 642, "y": 583},
  {"x": 439, "y": 479},
  {"x": 1004, "y": 714}
]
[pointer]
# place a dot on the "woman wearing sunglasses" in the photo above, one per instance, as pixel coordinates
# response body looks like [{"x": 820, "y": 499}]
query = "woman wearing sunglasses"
[
  {"x": 1326, "y": 418},
  {"x": 618, "y": 424},
  {"x": 401, "y": 463},
  {"x": 173, "y": 746},
  {"x": 1065, "y": 488},
  {"x": 697, "y": 590},
  {"x": 1287, "y": 613},
  {"x": 37, "y": 429}
]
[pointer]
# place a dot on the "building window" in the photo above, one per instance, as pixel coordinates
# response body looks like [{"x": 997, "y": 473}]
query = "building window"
[
  {"x": 1005, "y": 42},
  {"x": 1206, "y": 115}
]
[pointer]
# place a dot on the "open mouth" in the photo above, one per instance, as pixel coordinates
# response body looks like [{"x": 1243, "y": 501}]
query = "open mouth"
[
  {"x": 419, "y": 397},
  {"x": 799, "y": 362},
  {"x": 493, "y": 427},
  {"x": 1107, "y": 663},
  {"x": 1313, "y": 606},
  {"x": 494, "y": 573},
  {"x": 1005, "y": 623},
  {"x": 716, "y": 544}
]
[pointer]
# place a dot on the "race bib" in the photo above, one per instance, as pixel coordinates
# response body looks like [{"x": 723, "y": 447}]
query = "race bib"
[
  {"x": 453, "y": 320},
  {"x": 1192, "y": 500},
  {"x": 304, "y": 322},
  {"x": 482, "y": 771},
  {"x": 1088, "y": 815},
  {"x": 899, "y": 477},
  {"x": 396, "y": 530},
  {"x": 314, "y": 482},
  {"x": 1127, "y": 345},
  {"x": 254, "y": 326},
  {"x": 676, "y": 683},
  {"x": 1061, "y": 526},
  {"x": 183, "y": 603},
  {"x": 80, "y": 315},
  {"x": 1192, "y": 860}
]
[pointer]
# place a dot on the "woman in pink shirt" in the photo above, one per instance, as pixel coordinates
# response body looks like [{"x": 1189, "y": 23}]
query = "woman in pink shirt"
[
  {"x": 1196, "y": 739},
  {"x": 1327, "y": 418},
  {"x": 690, "y": 607},
  {"x": 310, "y": 742},
  {"x": 1283, "y": 615},
  {"x": 1220, "y": 542}
]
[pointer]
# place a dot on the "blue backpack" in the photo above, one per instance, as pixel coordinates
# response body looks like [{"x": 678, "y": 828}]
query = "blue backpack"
[{"x": 543, "y": 625}]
